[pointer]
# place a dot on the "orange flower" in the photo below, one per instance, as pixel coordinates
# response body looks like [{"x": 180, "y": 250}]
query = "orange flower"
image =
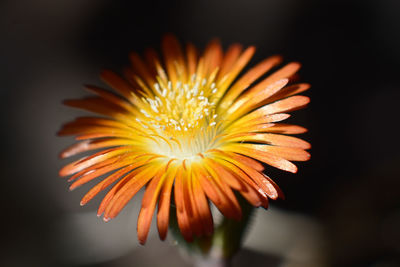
[{"x": 189, "y": 126}]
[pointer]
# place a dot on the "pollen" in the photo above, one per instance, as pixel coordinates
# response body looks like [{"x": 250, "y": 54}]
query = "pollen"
[{"x": 182, "y": 117}]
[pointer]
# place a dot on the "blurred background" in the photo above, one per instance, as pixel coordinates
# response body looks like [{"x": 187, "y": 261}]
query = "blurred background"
[{"x": 342, "y": 208}]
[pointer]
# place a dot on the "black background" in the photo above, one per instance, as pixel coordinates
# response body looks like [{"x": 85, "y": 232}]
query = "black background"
[{"x": 350, "y": 53}]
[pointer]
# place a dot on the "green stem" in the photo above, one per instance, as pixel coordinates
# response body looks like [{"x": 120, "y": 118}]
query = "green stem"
[
  {"x": 216, "y": 250},
  {"x": 230, "y": 233}
]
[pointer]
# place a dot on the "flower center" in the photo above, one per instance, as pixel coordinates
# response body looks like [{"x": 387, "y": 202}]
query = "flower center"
[{"x": 181, "y": 117}]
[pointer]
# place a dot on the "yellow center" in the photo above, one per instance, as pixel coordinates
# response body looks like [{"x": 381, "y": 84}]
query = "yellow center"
[{"x": 182, "y": 118}]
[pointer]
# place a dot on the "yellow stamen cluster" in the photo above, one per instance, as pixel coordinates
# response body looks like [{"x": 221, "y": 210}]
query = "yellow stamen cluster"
[{"x": 182, "y": 117}]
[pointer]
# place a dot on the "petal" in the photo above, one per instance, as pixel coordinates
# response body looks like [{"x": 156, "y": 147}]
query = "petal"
[
  {"x": 119, "y": 85},
  {"x": 249, "y": 191},
  {"x": 221, "y": 172},
  {"x": 94, "y": 121},
  {"x": 128, "y": 190},
  {"x": 286, "y": 129},
  {"x": 285, "y": 105},
  {"x": 289, "y": 153},
  {"x": 247, "y": 79},
  {"x": 173, "y": 58},
  {"x": 119, "y": 162},
  {"x": 270, "y": 139},
  {"x": 108, "y": 96},
  {"x": 96, "y": 131},
  {"x": 212, "y": 56},
  {"x": 251, "y": 101},
  {"x": 257, "y": 177},
  {"x": 141, "y": 69},
  {"x": 251, "y": 195},
  {"x": 237, "y": 126},
  {"x": 230, "y": 57},
  {"x": 86, "y": 162},
  {"x": 88, "y": 145},
  {"x": 190, "y": 205},
  {"x": 113, "y": 191},
  {"x": 191, "y": 56},
  {"x": 149, "y": 204},
  {"x": 269, "y": 158},
  {"x": 289, "y": 91},
  {"x": 99, "y": 106},
  {"x": 215, "y": 194},
  {"x": 285, "y": 72},
  {"x": 181, "y": 214},
  {"x": 152, "y": 60},
  {"x": 232, "y": 208},
  {"x": 202, "y": 206},
  {"x": 237, "y": 67},
  {"x": 105, "y": 183},
  {"x": 206, "y": 184},
  {"x": 164, "y": 204}
]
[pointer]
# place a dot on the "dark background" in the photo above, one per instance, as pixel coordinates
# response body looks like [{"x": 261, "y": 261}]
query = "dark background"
[{"x": 342, "y": 208}]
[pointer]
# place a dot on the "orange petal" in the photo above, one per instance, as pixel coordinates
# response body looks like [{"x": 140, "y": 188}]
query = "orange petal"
[
  {"x": 191, "y": 56},
  {"x": 257, "y": 128},
  {"x": 257, "y": 177},
  {"x": 243, "y": 159},
  {"x": 271, "y": 139},
  {"x": 96, "y": 105},
  {"x": 203, "y": 208},
  {"x": 289, "y": 153},
  {"x": 173, "y": 57},
  {"x": 251, "y": 121},
  {"x": 164, "y": 205},
  {"x": 247, "y": 79},
  {"x": 212, "y": 56},
  {"x": 123, "y": 196},
  {"x": 190, "y": 205},
  {"x": 181, "y": 213},
  {"x": 92, "y": 168},
  {"x": 251, "y": 195},
  {"x": 284, "y": 128},
  {"x": 141, "y": 69},
  {"x": 285, "y": 105},
  {"x": 206, "y": 184},
  {"x": 98, "y": 131},
  {"x": 269, "y": 158},
  {"x": 251, "y": 101},
  {"x": 230, "y": 57},
  {"x": 149, "y": 204},
  {"x": 236, "y": 68},
  {"x": 112, "y": 98},
  {"x": 113, "y": 191},
  {"x": 86, "y": 162},
  {"x": 289, "y": 91},
  {"x": 152, "y": 60},
  {"x": 120, "y": 85},
  {"x": 88, "y": 145},
  {"x": 227, "y": 176},
  {"x": 95, "y": 121},
  {"x": 105, "y": 183},
  {"x": 230, "y": 206},
  {"x": 90, "y": 175},
  {"x": 286, "y": 71},
  {"x": 215, "y": 194},
  {"x": 251, "y": 188}
]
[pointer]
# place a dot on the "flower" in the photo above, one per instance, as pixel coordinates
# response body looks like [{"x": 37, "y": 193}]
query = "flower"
[{"x": 187, "y": 128}]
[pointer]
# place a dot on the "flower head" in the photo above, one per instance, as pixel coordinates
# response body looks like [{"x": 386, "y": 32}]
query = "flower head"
[{"x": 190, "y": 128}]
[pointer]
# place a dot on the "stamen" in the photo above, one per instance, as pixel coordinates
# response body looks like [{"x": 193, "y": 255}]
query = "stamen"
[{"x": 183, "y": 114}]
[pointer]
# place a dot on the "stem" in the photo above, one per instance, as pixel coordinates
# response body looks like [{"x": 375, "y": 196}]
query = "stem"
[
  {"x": 216, "y": 250},
  {"x": 230, "y": 233}
]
